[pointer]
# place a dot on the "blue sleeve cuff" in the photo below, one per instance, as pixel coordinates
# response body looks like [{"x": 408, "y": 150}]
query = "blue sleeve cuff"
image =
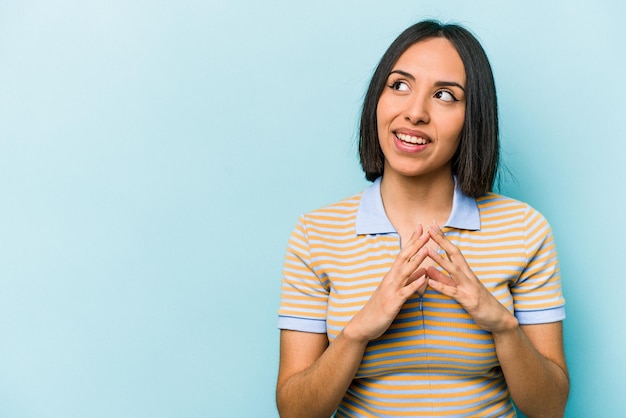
[
  {"x": 317, "y": 326},
  {"x": 544, "y": 316}
]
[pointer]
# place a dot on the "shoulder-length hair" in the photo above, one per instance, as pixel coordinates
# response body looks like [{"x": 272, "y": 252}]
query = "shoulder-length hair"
[{"x": 475, "y": 162}]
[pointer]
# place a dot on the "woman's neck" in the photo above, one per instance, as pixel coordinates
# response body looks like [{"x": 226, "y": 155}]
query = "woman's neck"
[{"x": 411, "y": 201}]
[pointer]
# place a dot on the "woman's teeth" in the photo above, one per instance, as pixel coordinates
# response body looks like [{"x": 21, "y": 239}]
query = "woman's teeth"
[{"x": 411, "y": 139}]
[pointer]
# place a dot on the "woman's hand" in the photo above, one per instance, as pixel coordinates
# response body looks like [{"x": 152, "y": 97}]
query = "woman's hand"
[
  {"x": 401, "y": 282},
  {"x": 462, "y": 285}
]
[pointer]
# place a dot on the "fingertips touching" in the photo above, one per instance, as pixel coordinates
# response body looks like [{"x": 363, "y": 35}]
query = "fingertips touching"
[
  {"x": 417, "y": 283},
  {"x": 417, "y": 240},
  {"x": 433, "y": 255},
  {"x": 420, "y": 272},
  {"x": 439, "y": 276},
  {"x": 435, "y": 284}
]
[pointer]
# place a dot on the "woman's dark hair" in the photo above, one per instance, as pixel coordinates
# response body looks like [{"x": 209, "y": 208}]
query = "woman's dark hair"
[{"x": 475, "y": 162}]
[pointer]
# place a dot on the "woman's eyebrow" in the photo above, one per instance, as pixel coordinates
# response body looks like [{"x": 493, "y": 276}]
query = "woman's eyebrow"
[
  {"x": 403, "y": 73},
  {"x": 437, "y": 84},
  {"x": 449, "y": 84}
]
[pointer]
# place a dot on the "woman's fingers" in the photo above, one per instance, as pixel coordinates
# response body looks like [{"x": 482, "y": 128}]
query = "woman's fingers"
[
  {"x": 436, "y": 275},
  {"x": 410, "y": 257},
  {"x": 418, "y": 239},
  {"x": 412, "y": 287},
  {"x": 403, "y": 280},
  {"x": 445, "y": 286},
  {"x": 415, "y": 260},
  {"x": 417, "y": 274},
  {"x": 455, "y": 263},
  {"x": 456, "y": 280},
  {"x": 443, "y": 262},
  {"x": 437, "y": 235}
]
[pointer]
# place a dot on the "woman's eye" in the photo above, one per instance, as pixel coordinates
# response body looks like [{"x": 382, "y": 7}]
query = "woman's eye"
[
  {"x": 446, "y": 96},
  {"x": 400, "y": 86}
]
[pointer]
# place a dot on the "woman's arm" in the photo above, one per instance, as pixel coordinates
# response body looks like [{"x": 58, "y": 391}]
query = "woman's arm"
[
  {"x": 531, "y": 356},
  {"x": 313, "y": 376},
  {"x": 533, "y": 363}
]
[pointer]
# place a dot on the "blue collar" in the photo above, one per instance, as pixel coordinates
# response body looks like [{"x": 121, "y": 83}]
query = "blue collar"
[{"x": 372, "y": 219}]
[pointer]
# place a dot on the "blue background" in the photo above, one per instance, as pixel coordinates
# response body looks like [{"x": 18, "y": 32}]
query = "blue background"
[{"x": 155, "y": 155}]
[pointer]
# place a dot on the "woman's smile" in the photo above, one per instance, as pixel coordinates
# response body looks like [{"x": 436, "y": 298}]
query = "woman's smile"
[{"x": 412, "y": 139}]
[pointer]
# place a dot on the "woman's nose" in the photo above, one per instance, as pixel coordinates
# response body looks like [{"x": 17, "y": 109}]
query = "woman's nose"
[{"x": 417, "y": 110}]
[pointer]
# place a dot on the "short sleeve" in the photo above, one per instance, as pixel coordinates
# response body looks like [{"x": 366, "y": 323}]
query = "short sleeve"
[
  {"x": 537, "y": 294},
  {"x": 304, "y": 295}
]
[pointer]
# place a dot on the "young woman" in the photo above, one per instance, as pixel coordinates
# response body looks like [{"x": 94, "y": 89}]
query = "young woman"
[{"x": 384, "y": 312}]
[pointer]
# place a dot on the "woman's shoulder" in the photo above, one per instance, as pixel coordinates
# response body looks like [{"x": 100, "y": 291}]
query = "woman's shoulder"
[
  {"x": 500, "y": 205},
  {"x": 496, "y": 200},
  {"x": 343, "y": 208}
]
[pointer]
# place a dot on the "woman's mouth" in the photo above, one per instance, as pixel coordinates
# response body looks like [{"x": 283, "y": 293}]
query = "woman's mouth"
[{"x": 410, "y": 139}]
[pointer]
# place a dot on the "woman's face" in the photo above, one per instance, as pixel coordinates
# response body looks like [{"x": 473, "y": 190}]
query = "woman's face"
[{"x": 421, "y": 110}]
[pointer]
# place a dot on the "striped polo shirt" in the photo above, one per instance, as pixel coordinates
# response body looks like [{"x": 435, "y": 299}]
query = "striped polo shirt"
[{"x": 433, "y": 360}]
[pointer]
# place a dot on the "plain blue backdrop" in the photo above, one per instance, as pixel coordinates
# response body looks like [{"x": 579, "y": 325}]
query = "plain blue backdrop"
[{"x": 155, "y": 155}]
